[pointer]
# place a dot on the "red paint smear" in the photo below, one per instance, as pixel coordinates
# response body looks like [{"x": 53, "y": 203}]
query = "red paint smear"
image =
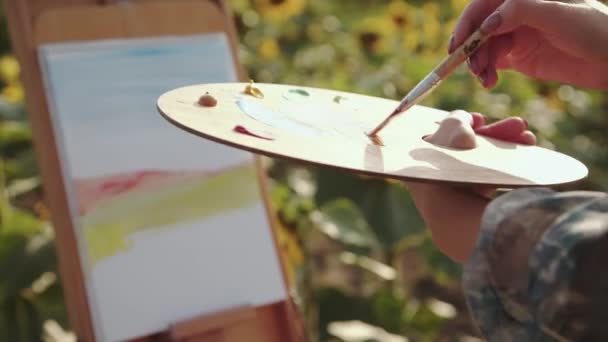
[{"x": 243, "y": 130}]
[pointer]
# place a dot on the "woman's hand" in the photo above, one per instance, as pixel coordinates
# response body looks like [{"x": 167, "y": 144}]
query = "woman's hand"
[
  {"x": 454, "y": 214},
  {"x": 565, "y": 41}
]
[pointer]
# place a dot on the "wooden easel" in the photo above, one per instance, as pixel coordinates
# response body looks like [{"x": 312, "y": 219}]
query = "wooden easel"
[{"x": 36, "y": 22}]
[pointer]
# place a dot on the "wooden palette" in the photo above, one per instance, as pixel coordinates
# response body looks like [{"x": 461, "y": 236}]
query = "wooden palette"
[{"x": 327, "y": 128}]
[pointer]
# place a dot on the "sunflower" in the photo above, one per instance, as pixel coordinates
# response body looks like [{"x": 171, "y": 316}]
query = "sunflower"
[
  {"x": 269, "y": 49},
  {"x": 403, "y": 18},
  {"x": 13, "y": 92},
  {"x": 374, "y": 35},
  {"x": 402, "y": 15},
  {"x": 459, "y": 5},
  {"x": 9, "y": 74},
  {"x": 290, "y": 250},
  {"x": 431, "y": 27},
  {"x": 9, "y": 69},
  {"x": 280, "y": 10}
]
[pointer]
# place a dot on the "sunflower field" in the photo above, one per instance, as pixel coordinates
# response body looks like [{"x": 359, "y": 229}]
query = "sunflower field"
[{"x": 362, "y": 264}]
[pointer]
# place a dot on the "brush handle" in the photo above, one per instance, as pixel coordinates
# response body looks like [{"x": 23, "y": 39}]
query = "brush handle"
[
  {"x": 443, "y": 70},
  {"x": 451, "y": 62},
  {"x": 434, "y": 78}
]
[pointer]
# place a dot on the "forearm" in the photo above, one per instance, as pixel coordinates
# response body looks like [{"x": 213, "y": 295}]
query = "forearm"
[{"x": 452, "y": 215}]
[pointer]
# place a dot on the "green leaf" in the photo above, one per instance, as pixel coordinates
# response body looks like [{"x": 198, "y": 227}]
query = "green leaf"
[
  {"x": 50, "y": 305},
  {"x": 388, "y": 208},
  {"x": 387, "y": 309},
  {"x": 342, "y": 220},
  {"x": 443, "y": 267},
  {"x": 335, "y": 305},
  {"x": 21, "y": 222},
  {"x": 19, "y": 321},
  {"x": 22, "y": 261},
  {"x": 12, "y": 251},
  {"x": 14, "y": 136}
]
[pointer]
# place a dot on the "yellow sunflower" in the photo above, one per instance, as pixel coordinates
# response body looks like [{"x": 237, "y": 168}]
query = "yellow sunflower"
[
  {"x": 269, "y": 49},
  {"x": 9, "y": 69},
  {"x": 459, "y": 5},
  {"x": 280, "y": 10},
  {"x": 13, "y": 92},
  {"x": 9, "y": 73},
  {"x": 402, "y": 15},
  {"x": 290, "y": 251},
  {"x": 374, "y": 35},
  {"x": 430, "y": 24},
  {"x": 403, "y": 18}
]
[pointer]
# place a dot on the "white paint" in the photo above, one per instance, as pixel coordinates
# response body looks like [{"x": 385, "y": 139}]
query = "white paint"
[
  {"x": 260, "y": 112},
  {"x": 307, "y": 116}
]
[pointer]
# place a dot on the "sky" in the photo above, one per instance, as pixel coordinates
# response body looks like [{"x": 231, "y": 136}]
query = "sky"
[{"x": 103, "y": 101}]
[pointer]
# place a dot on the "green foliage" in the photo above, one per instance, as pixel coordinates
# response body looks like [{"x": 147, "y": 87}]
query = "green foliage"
[
  {"x": 342, "y": 219},
  {"x": 30, "y": 289},
  {"x": 383, "y": 48},
  {"x": 387, "y": 207},
  {"x": 30, "y": 292}
]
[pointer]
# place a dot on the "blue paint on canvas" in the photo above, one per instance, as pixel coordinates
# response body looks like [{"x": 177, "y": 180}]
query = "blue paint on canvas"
[{"x": 105, "y": 97}]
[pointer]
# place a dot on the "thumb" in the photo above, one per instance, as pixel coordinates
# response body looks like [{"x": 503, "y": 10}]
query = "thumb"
[{"x": 546, "y": 16}]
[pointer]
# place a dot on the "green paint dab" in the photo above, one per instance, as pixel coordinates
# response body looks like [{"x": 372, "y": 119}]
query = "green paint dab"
[{"x": 300, "y": 92}]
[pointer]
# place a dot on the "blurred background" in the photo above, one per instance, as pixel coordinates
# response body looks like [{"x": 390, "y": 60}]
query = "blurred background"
[{"x": 362, "y": 265}]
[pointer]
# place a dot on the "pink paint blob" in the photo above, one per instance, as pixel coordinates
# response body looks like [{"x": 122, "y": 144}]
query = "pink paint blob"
[{"x": 244, "y": 130}]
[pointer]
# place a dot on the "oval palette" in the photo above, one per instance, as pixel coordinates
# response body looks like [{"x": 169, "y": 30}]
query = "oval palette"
[{"x": 328, "y": 128}]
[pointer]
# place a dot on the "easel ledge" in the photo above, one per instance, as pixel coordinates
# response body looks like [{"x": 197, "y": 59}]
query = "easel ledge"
[
  {"x": 244, "y": 323},
  {"x": 36, "y": 22}
]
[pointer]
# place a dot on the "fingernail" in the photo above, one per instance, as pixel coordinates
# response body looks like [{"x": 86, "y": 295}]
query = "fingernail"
[
  {"x": 525, "y": 123},
  {"x": 451, "y": 45},
  {"x": 492, "y": 23},
  {"x": 482, "y": 78},
  {"x": 474, "y": 64}
]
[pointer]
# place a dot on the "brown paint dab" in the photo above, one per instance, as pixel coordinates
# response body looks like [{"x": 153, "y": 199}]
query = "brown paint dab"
[
  {"x": 207, "y": 100},
  {"x": 376, "y": 140}
]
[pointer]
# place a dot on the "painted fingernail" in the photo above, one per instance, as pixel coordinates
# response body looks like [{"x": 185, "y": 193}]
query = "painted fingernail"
[
  {"x": 451, "y": 45},
  {"x": 474, "y": 64},
  {"x": 482, "y": 78},
  {"x": 492, "y": 23}
]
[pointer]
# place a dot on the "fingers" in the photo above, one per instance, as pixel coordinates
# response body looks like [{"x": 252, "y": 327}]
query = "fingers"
[
  {"x": 485, "y": 62},
  {"x": 479, "y": 61},
  {"x": 458, "y": 130},
  {"x": 472, "y": 16},
  {"x": 551, "y": 17},
  {"x": 498, "y": 18},
  {"x": 478, "y": 120},
  {"x": 527, "y": 138},
  {"x": 513, "y": 130},
  {"x": 500, "y": 48},
  {"x": 504, "y": 129}
]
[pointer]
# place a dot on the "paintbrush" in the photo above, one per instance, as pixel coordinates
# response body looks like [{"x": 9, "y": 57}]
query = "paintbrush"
[{"x": 433, "y": 79}]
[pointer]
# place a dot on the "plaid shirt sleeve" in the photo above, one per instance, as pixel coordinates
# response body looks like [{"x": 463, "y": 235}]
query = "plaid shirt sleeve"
[{"x": 528, "y": 278}]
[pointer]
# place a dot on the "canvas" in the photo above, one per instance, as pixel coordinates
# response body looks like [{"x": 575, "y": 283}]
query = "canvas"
[{"x": 169, "y": 226}]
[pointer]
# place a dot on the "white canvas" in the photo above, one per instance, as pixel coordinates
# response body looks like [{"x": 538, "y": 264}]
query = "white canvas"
[{"x": 169, "y": 226}]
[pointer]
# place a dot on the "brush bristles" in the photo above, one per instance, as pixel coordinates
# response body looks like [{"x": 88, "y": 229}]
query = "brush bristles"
[{"x": 376, "y": 140}]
